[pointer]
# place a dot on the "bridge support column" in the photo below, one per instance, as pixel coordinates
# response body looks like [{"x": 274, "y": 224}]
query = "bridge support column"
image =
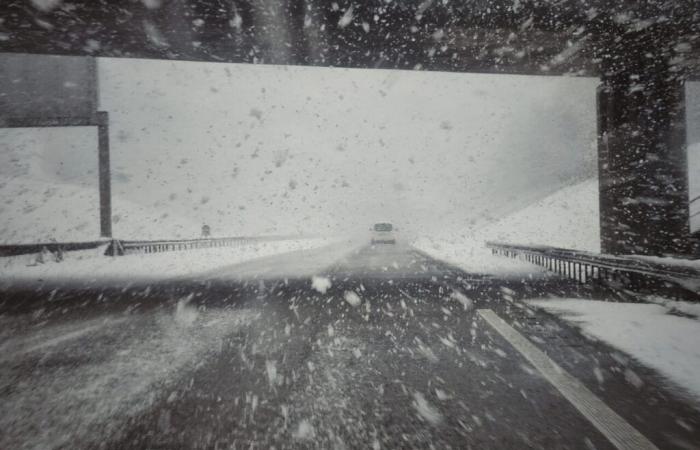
[
  {"x": 104, "y": 174},
  {"x": 642, "y": 161}
]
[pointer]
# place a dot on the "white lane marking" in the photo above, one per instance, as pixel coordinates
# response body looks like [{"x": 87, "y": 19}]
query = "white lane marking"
[{"x": 620, "y": 433}]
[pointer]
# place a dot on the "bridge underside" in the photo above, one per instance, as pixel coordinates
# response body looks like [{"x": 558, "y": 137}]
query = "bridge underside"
[{"x": 642, "y": 51}]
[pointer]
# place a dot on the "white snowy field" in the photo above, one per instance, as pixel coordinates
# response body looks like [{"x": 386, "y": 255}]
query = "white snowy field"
[
  {"x": 664, "y": 342},
  {"x": 93, "y": 267},
  {"x": 568, "y": 219},
  {"x": 39, "y": 210},
  {"x": 126, "y": 362}
]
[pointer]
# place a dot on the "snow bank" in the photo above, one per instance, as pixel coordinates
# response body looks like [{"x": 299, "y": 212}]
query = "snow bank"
[
  {"x": 92, "y": 267},
  {"x": 568, "y": 219},
  {"x": 676, "y": 306},
  {"x": 661, "y": 341}
]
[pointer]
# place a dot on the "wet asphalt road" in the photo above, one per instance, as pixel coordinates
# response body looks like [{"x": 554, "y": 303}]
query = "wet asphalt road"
[{"x": 386, "y": 351}]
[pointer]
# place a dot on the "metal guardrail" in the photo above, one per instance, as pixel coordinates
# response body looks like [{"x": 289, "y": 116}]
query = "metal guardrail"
[
  {"x": 626, "y": 272},
  {"x": 121, "y": 247},
  {"x": 118, "y": 247},
  {"x": 53, "y": 247}
]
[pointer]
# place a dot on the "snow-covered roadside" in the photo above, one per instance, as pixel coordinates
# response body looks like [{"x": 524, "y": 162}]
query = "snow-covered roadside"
[
  {"x": 568, "y": 218},
  {"x": 664, "y": 342},
  {"x": 473, "y": 256},
  {"x": 91, "y": 266},
  {"x": 675, "y": 306}
]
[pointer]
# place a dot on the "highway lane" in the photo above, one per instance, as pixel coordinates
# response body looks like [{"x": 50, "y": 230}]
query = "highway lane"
[{"x": 377, "y": 347}]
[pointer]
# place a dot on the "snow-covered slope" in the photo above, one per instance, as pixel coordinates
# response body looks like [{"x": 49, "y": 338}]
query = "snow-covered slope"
[
  {"x": 39, "y": 211},
  {"x": 48, "y": 190},
  {"x": 568, "y": 218},
  {"x": 693, "y": 131},
  {"x": 694, "y": 182}
]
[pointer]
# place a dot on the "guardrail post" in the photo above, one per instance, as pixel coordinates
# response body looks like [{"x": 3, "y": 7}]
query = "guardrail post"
[{"x": 114, "y": 248}]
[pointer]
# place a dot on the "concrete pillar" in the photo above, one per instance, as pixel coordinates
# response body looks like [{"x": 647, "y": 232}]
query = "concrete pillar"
[
  {"x": 642, "y": 170},
  {"x": 104, "y": 175}
]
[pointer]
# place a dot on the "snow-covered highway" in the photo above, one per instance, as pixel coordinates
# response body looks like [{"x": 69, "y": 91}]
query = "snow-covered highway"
[{"x": 372, "y": 347}]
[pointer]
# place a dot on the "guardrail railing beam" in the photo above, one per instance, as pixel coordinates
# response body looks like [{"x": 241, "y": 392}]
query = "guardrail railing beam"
[{"x": 630, "y": 273}]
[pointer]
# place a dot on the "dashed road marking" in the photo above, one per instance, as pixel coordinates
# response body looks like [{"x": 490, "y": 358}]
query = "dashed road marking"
[{"x": 618, "y": 431}]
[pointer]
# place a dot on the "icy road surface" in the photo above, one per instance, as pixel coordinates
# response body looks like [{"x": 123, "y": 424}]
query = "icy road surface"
[{"x": 380, "y": 347}]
